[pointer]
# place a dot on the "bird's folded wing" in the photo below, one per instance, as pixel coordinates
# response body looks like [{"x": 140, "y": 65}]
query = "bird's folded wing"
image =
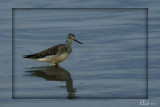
[{"x": 47, "y": 52}]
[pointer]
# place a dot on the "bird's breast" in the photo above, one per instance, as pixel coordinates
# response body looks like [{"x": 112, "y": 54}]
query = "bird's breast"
[{"x": 62, "y": 57}]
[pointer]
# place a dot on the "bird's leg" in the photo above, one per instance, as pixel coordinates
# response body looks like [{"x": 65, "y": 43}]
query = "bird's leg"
[{"x": 55, "y": 64}]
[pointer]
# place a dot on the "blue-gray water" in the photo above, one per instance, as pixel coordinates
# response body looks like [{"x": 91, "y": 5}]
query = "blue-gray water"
[{"x": 110, "y": 65}]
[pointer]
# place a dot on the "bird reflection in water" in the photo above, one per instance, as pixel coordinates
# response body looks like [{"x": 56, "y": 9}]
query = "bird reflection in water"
[{"x": 55, "y": 73}]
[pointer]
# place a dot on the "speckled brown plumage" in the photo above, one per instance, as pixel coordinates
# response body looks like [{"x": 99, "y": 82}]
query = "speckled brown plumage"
[
  {"x": 47, "y": 52},
  {"x": 55, "y": 54}
]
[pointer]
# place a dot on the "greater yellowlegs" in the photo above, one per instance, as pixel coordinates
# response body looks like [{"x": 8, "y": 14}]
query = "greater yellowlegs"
[{"x": 55, "y": 54}]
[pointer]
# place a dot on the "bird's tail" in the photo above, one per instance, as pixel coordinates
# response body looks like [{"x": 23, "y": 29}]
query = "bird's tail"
[{"x": 27, "y": 56}]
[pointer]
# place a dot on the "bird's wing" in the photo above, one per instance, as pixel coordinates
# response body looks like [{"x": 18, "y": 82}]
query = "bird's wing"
[{"x": 47, "y": 52}]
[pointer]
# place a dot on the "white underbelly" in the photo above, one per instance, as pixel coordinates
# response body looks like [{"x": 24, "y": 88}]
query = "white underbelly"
[{"x": 54, "y": 59}]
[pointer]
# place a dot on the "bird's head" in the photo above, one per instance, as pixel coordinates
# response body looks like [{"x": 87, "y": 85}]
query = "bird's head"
[{"x": 71, "y": 38}]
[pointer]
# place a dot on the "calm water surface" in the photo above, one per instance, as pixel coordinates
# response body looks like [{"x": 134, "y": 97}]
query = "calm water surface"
[{"x": 110, "y": 64}]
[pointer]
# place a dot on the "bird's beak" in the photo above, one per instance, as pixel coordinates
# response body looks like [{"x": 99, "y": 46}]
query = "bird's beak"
[{"x": 78, "y": 41}]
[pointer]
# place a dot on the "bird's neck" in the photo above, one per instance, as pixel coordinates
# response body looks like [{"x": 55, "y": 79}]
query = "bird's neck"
[{"x": 69, "y": 45}]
